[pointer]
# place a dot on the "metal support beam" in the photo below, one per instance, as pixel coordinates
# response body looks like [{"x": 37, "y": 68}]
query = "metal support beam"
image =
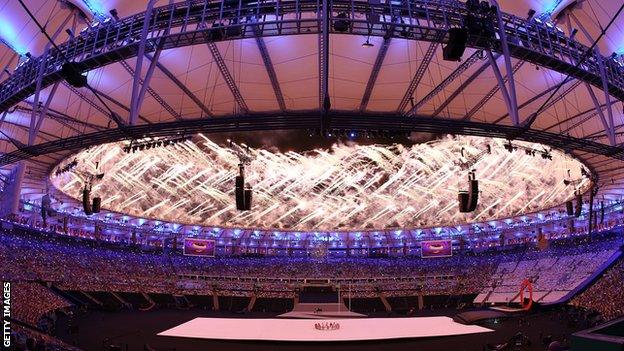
[
  {"x": 542, "y": 94},
  {"x": 63, "y": 119},
  {"x": 37, "y": 117},
  {"x": 42, "y": 114},
  {"x": 119, "y": 104},
  {"x": 145, "y": 84},
  {"x": 181, "y": 85},
  {"x": 305, "y": 121},
  {"x": 463, "y": 86},
  {"x": 586, "y": 116},
  {"x": 448, "y": 80},
  {"x": 84, "y": 98},
  {"x": 420, "y": 72},
  {"x": 511, "y": 111},
  {"x": 489, "y": 95},
  {"x": 34, "y": 114},
  {"x": 605, "y": 89},
  {"x": 227, "y": 76},
  {"x": 323, "y": 58},
  {"x": 381, "y": 55},
  {"x": 134, "y": 99},
  {"x": 511, "y": 91},
  {"x": 152, "y": 93},
  {"x": 47, "y": 137},
  {"x": 268, "y": 65},
  {"x": 609, "y": 130},
  {"x": 609, "y": 127},
  {"x": 4, "y": 114}
]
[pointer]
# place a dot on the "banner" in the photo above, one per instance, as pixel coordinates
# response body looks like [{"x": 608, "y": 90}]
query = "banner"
[
  {"x": 199, "y": 247},
  {"x": 436, "y": 248}
]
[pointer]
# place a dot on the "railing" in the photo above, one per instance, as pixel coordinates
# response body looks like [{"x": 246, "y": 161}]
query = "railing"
[{"x": 194, "y": 22}]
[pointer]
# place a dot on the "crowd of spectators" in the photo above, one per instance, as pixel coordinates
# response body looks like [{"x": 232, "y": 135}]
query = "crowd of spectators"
[
  {"x": 34, "y": 259},
  {"x": 33, "y": 302},
  {"x": 28, "y": 339},
  {"x": 553, "y": 273},
  {"x": 606, "y": 295},
  {"x": 75, "y": 264}
]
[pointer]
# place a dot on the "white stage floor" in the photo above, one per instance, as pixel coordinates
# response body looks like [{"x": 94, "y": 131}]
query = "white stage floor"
[{"x": 303, "y": 330}]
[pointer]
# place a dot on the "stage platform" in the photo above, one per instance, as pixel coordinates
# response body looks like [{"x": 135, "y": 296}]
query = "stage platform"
[
  {"x": 320, "y": 311},
  {"x": 299, "y": 330}
]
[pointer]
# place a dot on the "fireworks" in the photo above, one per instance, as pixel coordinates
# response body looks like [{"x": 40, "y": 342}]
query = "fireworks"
[{"x": 348, "y": 187}]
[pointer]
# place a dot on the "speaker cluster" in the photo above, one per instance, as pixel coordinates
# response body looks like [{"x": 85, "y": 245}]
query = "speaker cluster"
[
  {"x": 468, "y": 200},
  {"x": 243, "y": 191},
  {"x": 478, "y": 25},
  {"x": 70, "y": 71},
  {"x": 572, "y": 210},
  {"x": 88, "y": 206}
]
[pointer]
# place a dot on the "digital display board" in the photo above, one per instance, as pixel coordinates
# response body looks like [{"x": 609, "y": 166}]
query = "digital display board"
[
  {"x": 199, "y": 247},
  {"x": 436, "y": 248}
]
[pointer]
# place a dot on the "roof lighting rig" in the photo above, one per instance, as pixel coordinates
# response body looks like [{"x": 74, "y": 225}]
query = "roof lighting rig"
[
  {"x": 141, "y": 145},
  {"x": 68, "y": 167},
  {"x": 545, "y": 154},
  {"x": 362, "y": 134}
]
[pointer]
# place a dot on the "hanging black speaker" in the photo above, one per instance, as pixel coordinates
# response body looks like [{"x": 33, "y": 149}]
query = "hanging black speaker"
[
  {"x": 462, "y": 197},
  {"x": 71, "y": 74},
  {"x": 342, "y": 24},
  {"x": 240, "y": 193},
  {"x": 579, "y": 205},
  {"x": 247, "y": 198},
  {"x": 86, "y": 202},
  {"x": 473, "y": 195},
  {"x": 97, "y": 203},
  {"x": 454, "y": 50},
  {"x": 569, "y": 208},
  {"x": 45, "y": 207},
  {"x": 217, "y": 32},
  {"x": 601, "y": 212}
]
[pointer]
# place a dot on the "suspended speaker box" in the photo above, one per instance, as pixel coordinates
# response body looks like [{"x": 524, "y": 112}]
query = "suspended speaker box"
[
  {"x": 247, "y": 198},
  {"x": 86, "y": 202},
  {"x": 462, "y": 197},
  {"x": 579, "y": 205},
  {"x": 473, "y": 195},
  {"x": 454, "y": 50},
  {"x": 240, "y": 193},
  {"x": 97, "y": 204},
  {"x": 342, "y": 24},
  {"x": 569, "y": 208},
  {"x": 71, "y": 74}
]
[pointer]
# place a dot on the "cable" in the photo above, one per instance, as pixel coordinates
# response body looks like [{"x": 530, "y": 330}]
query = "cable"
[
  {"x": 113, "y": 115},
  {"x": 568, "y": 77}
]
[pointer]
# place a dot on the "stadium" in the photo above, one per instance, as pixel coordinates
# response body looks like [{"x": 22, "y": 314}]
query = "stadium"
[{"x": 298, "y": 174}]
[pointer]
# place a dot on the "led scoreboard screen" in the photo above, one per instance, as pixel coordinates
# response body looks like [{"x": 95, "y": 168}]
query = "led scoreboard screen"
[
  {"x": 199, "y": 247},
  {"x": 436, "y": 248}
]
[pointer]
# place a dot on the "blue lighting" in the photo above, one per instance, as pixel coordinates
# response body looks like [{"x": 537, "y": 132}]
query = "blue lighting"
[
  {"x": 10, "y": 37},
  {"x": 550, "y": 6},
  {"x": 97, "y": 8}
]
